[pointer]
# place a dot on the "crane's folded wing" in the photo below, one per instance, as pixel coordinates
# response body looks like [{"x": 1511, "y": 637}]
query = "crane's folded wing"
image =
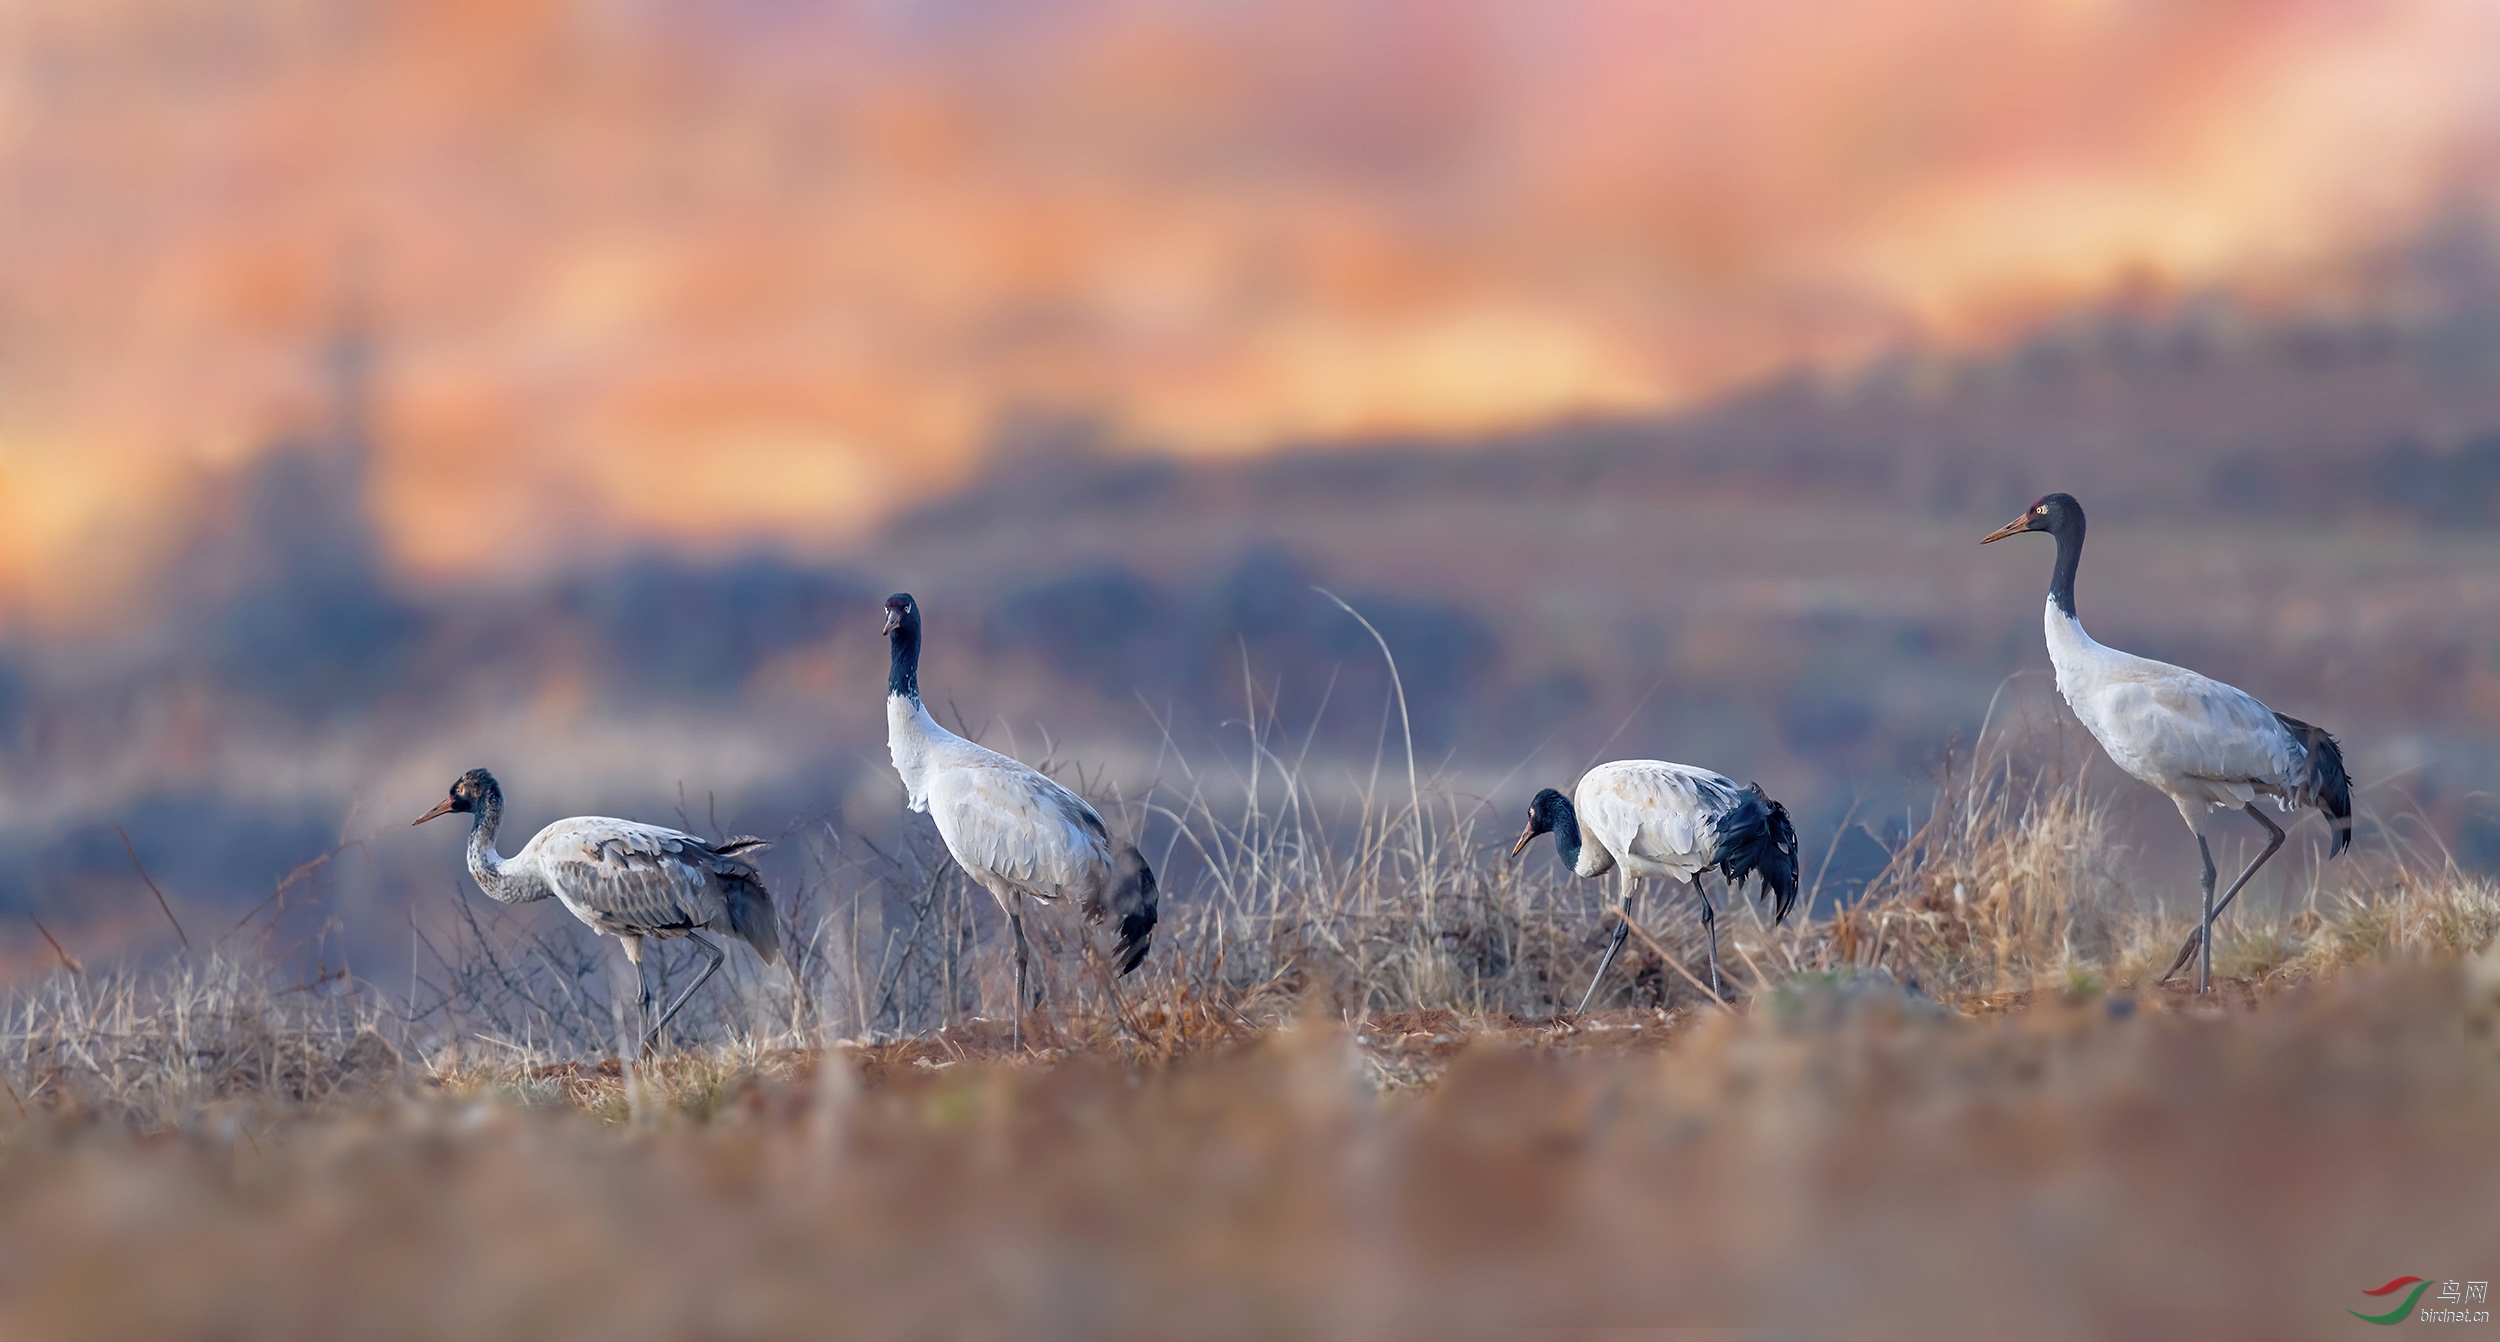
[
  {"x": 1007, "y": 820},
  {"x": 2187, "y": 725},
  {"x": 1654, "y": 809},
  {"x": 635, "y": 875}
]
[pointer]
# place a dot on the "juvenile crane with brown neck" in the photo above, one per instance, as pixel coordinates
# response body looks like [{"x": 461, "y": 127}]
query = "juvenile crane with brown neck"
[{"x": 625, "y": 879}]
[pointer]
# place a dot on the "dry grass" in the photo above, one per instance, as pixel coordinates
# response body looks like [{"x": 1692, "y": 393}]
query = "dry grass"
[
  {"x": 2017, "y": 881},
  {"x": 1339, "y": 1102},
  {"x": 156, "y": 1051},
  {"x": 1294, "y": 888},
  {"x": 1385, "y": 912},
  {"x": 1851, "y": 1158}
]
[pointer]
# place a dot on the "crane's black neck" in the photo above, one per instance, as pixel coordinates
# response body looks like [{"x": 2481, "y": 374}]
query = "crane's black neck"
[
  {"x": 903, "y": 669},
  {"x": 1552, "y": 812},
  {"x": 2067, "y": 527},
  {"x": 1567, "y": 836}
]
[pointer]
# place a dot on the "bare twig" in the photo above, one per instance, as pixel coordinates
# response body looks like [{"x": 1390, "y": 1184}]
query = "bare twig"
[
  {"x": 277, "y": 895},
  {"x": 151, "y": 882},
  {"x": 68, "y": 961},
  {"x": 1405, "y": 722},
  {"x": 1672, "y": 962}
]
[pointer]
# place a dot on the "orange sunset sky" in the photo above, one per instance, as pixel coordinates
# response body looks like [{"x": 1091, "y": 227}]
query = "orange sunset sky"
[{"x": 755, "y": 270}]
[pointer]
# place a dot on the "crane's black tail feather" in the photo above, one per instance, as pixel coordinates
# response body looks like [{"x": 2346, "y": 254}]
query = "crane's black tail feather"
[
  {"x": 1756, "y": 836},
  {"x": 2327, "y": 784},
  {"x": 1133, "y": 904}
]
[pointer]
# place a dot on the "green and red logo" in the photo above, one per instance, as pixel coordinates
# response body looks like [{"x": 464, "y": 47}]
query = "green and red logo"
[{"x": 2401, "y": 1312}]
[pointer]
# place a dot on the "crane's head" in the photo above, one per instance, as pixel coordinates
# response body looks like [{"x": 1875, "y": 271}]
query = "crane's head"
[
  {"x": 901, "y": 612},
  {"x": 2052, "y": 513},
  {"x": 1544, "y": 815},
  {"x": 470, "y": 792}
]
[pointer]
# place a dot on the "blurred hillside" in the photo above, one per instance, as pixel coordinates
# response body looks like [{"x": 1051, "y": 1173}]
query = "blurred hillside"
[
  {"x": 392, "y": 387},
  {"x": 633, "y": 258},
  {"x": 1784, "y": 584}
]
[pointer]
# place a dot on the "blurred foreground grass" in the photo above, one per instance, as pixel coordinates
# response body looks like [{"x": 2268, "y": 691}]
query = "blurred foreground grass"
[
  {"x": 1960, "y": 1106},
  {"x": 1844, "y": 1154}
]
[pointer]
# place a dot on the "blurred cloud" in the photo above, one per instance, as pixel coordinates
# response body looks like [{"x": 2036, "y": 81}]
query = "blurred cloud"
[{"x": 715, "y": 273}]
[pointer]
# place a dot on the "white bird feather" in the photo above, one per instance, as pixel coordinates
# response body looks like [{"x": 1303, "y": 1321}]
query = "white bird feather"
[
  {"x": 2204, "y": 744},
  {"x": 1014, "y": 830},
  {"x": 1005, "y": 821},
  {"x": 1654, "y": 817}
]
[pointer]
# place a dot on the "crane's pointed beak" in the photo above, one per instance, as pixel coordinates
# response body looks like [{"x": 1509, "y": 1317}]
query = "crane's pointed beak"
[
  {"x": 2018, "y": 525},
  {"x": 893, "y": 621},
  {"x": 1526, "y": 837},
  {"x": 441, "y": 808}
]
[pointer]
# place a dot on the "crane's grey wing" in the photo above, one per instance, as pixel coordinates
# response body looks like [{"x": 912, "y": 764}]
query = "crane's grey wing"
[
  {"x": 1004, "y": 820},
  {"x": 1654, "y": 809},
  {"x": 2159, "y": 720},
  {"x": 635, "y": 877}
]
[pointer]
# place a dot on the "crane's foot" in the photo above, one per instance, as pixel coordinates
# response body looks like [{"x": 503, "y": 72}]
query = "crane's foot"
[{"x": 2187, "y": 952}]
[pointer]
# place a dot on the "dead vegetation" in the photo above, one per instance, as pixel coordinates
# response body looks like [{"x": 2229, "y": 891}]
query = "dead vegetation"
[
  {"x": 1845, "y": 1156},
  {"x": 1339, "y": 1102},
  {"x": 1400, "y": 919}
]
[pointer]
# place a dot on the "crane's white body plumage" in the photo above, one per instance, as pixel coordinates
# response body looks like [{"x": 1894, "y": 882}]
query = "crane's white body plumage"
[
  {"x": 1007, "y": 823},
  {"x": 1651, "y": 817},
  {"x": 2205, "y": 744},
  {"x": 1012, "y": 829}
]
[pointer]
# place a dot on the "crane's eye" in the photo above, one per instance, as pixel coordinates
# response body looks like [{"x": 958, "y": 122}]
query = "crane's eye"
[{"x": 2043, "y": 510}]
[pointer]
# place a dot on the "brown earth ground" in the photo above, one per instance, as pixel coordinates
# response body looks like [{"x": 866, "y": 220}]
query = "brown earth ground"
[{"x": 1838, "y": 1157}]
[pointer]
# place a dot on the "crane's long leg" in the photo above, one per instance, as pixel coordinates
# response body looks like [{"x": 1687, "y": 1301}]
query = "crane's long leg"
[
  {"x": 2274, "y": 840},
  {"x": 1011, "y": 902},
  {"x": 1623, "y": 929},
  {"x": 712, "y": 962},
  {"x": 2205, "y": 925},
  {"x": 630, "y": 967},
  {"x": 2202, "y": 938},
  {"x": 1710, "y": 925},
  {"x": 1015, "y": 919}
]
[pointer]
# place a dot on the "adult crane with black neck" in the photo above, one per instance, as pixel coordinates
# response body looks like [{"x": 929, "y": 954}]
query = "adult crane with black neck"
[
  {"x": 1014, "y": 831},
  {"x": 1641, "y": 818},
  {"x": 2205, "y": 744}
]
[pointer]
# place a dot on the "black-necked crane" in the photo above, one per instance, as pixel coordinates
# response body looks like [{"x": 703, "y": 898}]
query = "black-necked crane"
[
  {"x": 2204, "y": 744},
  {"x": 1014, "y": 831},
  {"x": 628, "y": 880},
  {"x": 1650, "y": 818}
]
